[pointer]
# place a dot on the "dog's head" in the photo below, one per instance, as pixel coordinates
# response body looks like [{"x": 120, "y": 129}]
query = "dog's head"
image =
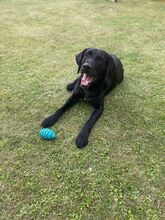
[{"x": 93, "y": 65}]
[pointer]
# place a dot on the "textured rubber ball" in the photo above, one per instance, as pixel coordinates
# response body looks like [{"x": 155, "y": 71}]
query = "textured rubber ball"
[{"x": 47, "y": 134}]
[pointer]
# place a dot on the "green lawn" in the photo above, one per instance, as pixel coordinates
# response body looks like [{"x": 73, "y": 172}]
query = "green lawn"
[{"x": 119, "y": 175}]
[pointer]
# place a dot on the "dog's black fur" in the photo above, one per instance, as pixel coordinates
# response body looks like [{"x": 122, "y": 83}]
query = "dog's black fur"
[{"x": 102, "y": 72}]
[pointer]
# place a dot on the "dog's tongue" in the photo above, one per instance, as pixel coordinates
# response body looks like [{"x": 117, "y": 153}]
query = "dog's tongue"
[{"x": 86, "y": 80}]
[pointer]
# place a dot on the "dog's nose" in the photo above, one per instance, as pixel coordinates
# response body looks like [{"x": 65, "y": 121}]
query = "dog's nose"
[{"x": 86, "y": 66}]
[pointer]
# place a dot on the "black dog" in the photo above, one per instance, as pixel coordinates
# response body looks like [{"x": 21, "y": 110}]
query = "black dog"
[{"x": 100, "y": 73}]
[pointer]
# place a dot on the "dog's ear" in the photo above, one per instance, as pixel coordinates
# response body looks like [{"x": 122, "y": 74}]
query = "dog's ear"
[
  {"x": 110, "y": 74},
  {"x": 79, "y": 58}
]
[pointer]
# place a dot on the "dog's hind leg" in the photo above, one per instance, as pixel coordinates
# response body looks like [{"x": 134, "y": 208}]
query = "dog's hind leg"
[{"x": 70, "y": 86}]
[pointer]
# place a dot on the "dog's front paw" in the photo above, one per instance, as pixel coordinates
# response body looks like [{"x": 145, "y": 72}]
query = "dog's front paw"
[
  {"x": 48, "y": 122},
  {"x": 81, "y": 141}
]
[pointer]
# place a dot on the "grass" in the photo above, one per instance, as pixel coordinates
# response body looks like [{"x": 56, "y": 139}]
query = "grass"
[{"x": 119, "y": 175}]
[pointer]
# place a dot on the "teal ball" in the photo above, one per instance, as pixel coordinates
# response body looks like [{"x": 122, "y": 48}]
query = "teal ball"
[{"x": 47, "y": 134}]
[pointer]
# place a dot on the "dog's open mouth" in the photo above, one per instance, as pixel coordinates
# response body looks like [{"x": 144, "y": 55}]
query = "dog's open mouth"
[{"x": 86, "y": 80}]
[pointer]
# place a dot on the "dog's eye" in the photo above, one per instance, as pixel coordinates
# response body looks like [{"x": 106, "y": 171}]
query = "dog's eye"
[
  {"x": 89, "y": 53},
  {"x": 85, "y": 55}
]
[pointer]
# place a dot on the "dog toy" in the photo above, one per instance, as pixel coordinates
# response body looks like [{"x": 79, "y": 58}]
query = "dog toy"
[{"x": 47, "y": 134}]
